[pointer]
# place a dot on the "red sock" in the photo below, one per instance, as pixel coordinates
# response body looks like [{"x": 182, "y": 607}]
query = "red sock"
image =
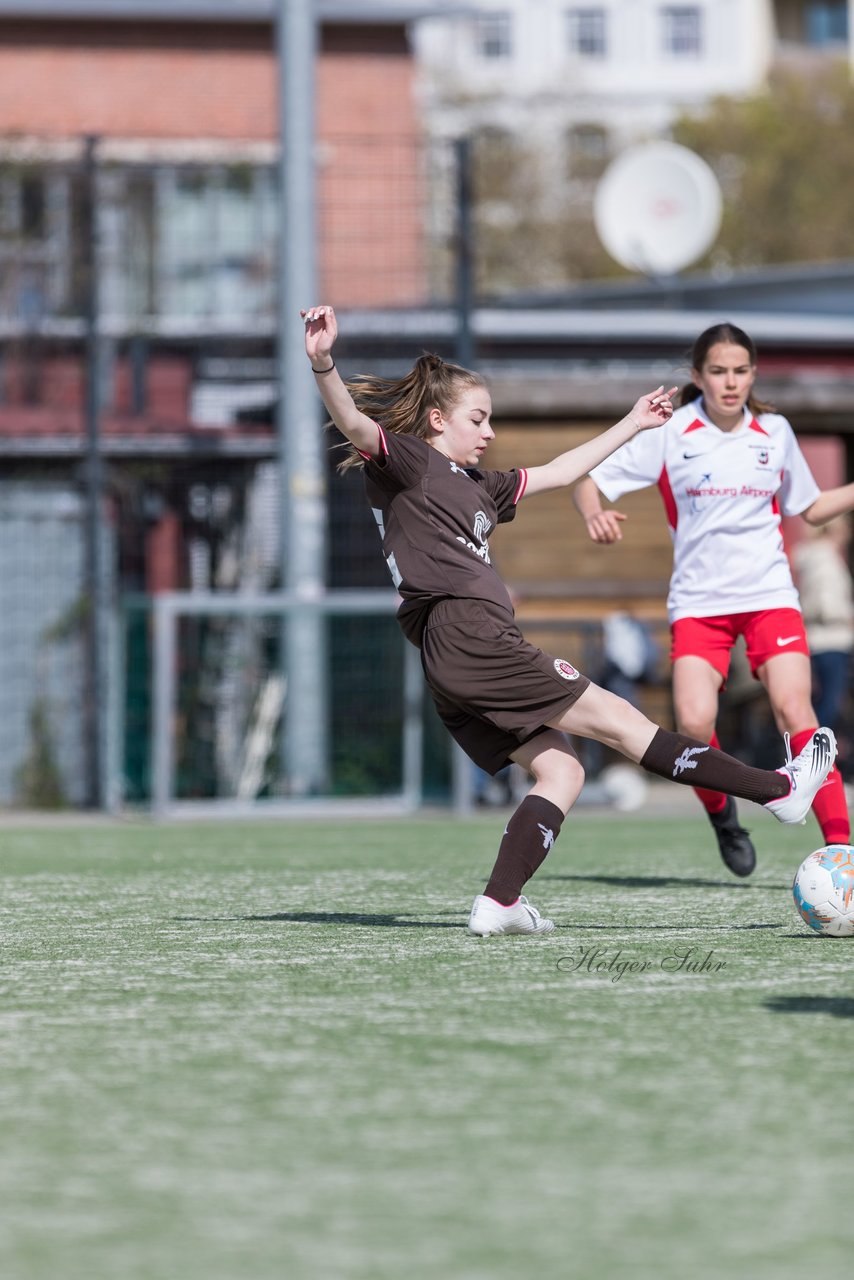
[
  {"x": 829, "y": 806},
  {"x": 712, "y": 801}
]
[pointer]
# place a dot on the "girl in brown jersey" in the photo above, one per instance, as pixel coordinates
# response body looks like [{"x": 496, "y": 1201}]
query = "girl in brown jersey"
[{"x": 420, "y": 440}]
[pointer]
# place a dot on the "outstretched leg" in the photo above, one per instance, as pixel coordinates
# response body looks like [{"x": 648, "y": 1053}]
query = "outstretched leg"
[{"x": 786, "y": 792}]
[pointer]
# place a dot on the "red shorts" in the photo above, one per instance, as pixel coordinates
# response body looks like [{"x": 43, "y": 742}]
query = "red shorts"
[{"x": 767, "y": 634}]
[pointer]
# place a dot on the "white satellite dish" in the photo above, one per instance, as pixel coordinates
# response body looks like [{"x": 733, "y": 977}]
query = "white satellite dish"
[{"x": 657, "y": 208}]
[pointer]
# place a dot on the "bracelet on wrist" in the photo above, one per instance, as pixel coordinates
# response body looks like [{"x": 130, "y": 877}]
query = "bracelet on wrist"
[{"x": 322, "y": 371}]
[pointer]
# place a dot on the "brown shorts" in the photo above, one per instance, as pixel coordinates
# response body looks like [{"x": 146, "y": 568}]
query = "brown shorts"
[{"x": 493, "y": 690}]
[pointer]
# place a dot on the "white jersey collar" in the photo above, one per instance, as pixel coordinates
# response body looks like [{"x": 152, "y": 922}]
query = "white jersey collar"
[{"x": 700, "y": 406}]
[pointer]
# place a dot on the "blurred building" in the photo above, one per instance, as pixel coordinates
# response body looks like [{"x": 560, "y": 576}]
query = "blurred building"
[
  {"x": 178, "y": 196},
  {"x": 165, "y": 84},
  {"x": 182, "y": 98},
  {"x": 580, "y": 81}
]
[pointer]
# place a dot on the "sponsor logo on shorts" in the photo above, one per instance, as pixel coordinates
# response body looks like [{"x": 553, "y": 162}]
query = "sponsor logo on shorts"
[
  {"x": 565, "y": 669},
  {"x": 782, "y": 641}
]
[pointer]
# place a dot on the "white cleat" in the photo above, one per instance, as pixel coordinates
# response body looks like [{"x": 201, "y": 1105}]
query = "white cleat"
[
  {"x": 807, "y": 772},
  {"x": 489, "y": 917}
]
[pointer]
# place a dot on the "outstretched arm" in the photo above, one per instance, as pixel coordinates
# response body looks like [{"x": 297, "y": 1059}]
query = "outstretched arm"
[
  {"x": 321, "y": 330},
  {"x": 650, "y": 411},
  {"x": 830, "y": 504},
  {"x": 603, "y": 523}
]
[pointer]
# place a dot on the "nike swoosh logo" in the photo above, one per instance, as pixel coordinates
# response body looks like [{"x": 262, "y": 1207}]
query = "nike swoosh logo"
[
  {"x": 784, "y": 640},
  {"x": 692, "y": 455}
]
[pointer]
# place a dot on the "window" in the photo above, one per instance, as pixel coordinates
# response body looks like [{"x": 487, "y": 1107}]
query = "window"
[
  {"x": 494, "y": 35},
  {"x": 587, "y": 36},
  {"x": 34, "y": 254},
  {"x": 33, "y": 206},
  {"x": 588, "y": 151},
  {"x": 191, "y": 241},
  {"x": 23, "y": 203},
  {"x": 496, "y": 166},
  {"x": 682, "y": 29},
  {"x": 827, "y": 22},
  {"x": 215, "y": 241}
]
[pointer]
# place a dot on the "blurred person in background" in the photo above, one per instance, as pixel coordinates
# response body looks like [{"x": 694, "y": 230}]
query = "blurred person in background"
[
  {"x": 629, "y": 654},
  {"x": 630, "y": 658},
  {"x": 727, "y": 467}
]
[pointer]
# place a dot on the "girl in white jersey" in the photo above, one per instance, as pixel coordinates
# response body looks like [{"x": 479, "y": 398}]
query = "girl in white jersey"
[
  {"x": 728, "y": 468},
  {"x": 419, "y": 440}
]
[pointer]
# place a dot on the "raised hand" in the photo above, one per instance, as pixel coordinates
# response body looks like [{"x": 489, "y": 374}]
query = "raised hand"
[
  {"x": 321, "y": 330},
  {"x": 652, "y": 410}
]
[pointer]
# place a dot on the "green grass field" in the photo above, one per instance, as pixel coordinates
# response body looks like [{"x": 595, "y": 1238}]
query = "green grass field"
[{"x": 272, "y": 1052}]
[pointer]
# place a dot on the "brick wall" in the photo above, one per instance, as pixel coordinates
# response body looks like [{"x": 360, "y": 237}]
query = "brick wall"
[
  {"x": 60, "y": 80},
  {"x": 370, "y": 195},
  {"x": 174, "y": 82}
]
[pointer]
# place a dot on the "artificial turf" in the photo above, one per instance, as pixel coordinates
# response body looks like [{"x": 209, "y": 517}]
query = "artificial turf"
[{"x": 272, "y": 1051}]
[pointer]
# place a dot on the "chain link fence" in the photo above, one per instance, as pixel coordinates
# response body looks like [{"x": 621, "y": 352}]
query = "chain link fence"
[{"x": 138, "y": 307}]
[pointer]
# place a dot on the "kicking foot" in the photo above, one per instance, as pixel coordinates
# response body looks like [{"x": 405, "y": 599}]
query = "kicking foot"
[
  {"x": 490, "y": 917},
  {"x": 736, "y": 847},
  {"x": 807, "y": 773}
]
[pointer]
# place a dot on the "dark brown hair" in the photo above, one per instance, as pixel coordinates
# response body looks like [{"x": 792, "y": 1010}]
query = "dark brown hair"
[
  {"x": 724, "y": 332},
  {"x": 402, "y": 406}
]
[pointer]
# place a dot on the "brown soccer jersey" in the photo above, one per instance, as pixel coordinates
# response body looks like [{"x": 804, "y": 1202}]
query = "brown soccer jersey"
[{"x": 435, "y": 518}]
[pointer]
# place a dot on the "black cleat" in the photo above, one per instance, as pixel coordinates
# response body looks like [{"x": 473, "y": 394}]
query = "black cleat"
[{"x": 734, "y": 842}]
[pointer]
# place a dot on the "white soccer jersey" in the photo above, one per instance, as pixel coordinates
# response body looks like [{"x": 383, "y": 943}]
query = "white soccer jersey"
[{"x": 724, "y": 493}]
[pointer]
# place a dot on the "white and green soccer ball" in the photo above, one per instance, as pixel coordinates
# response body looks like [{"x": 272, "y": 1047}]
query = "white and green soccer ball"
[{"x": 824, "y": 890}]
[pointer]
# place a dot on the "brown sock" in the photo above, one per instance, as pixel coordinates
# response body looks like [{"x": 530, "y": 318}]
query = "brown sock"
[
  {"x": 683, "y": 759},
  {"x": 530, "y": 833},
  {"x": 712, "y": 801}
]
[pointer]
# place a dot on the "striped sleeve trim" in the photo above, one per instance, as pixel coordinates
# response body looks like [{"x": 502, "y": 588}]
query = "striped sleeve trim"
[
  {"x": 666, "y": 491},
  {"x": 521, "y": 486},
  {"x": 383, "y": 445}
]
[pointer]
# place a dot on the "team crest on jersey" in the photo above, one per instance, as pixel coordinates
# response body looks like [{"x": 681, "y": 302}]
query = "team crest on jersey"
[
  {"x": 762, "y": 455},
  {"x": 565, "y": 669}
]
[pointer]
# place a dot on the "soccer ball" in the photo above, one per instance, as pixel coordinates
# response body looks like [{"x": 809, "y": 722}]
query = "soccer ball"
[{"x": 824, "y": 890}]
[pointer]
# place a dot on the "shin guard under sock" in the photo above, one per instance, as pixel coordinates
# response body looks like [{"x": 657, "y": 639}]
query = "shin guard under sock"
[
  {"x": 530, "y": 833},
  {"x": 687, "y": 760}
]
